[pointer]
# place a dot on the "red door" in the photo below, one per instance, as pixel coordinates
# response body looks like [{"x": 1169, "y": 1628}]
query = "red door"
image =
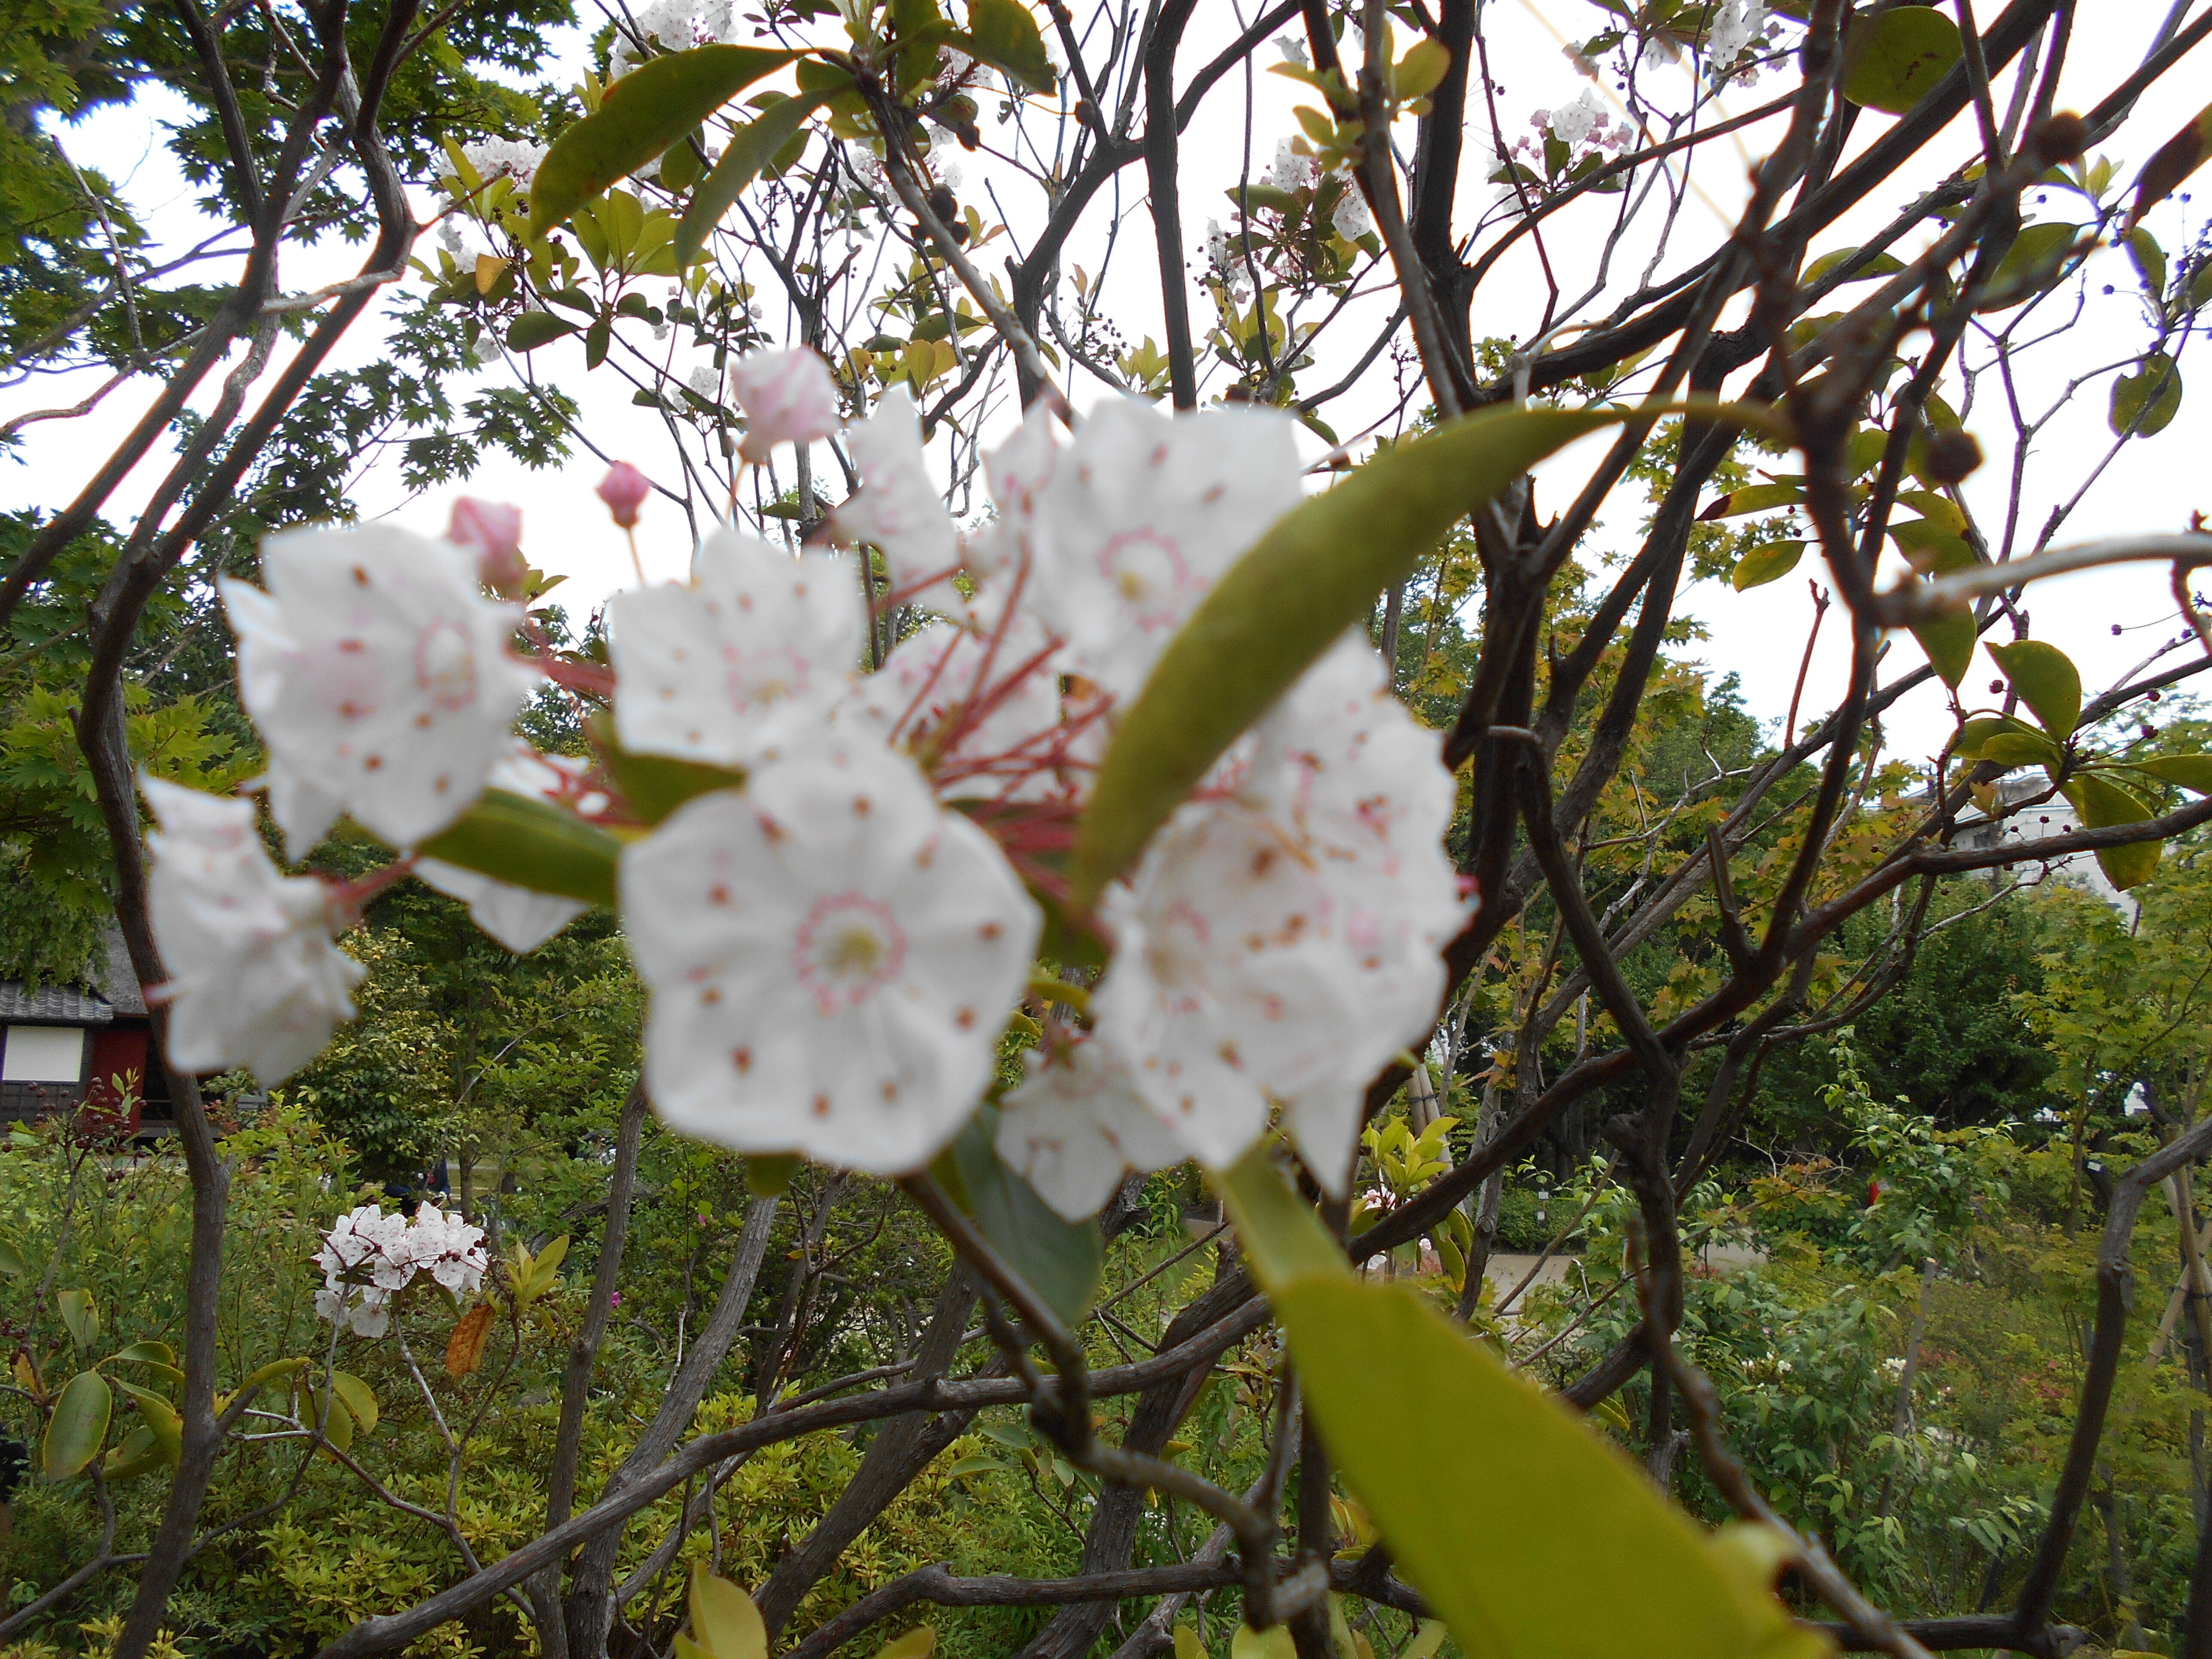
[{"x": 119, "y": 1057}]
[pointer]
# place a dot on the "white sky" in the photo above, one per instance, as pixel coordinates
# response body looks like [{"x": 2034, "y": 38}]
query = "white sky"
[{"x": 2150, "y": 487}]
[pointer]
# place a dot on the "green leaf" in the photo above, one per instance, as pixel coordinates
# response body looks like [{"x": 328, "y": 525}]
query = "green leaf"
[
  {"x": 1882, "y": 264},
  {"x": 656, "y": 784},
  {"x": 751, "y": 148},
  {"x": 1893, "y": 63},
  {"x": 1062, "y": 1260},
  {"x": 919, "y": 1643},
  {"x": 2047, "y": 682},
  {"x": 1266, "y": 197},
  {"x": 78, "y": 1425},
  {"x": 1978, "y": 732},
  {"x": 1376, "y": 1361},
  {"x": 11, "y": 1261},
  {"x": 1765, "y": 564},
  {"x": 1003, "y": 34},
  {"x": 1939, "y": 510},
  {"x": 2020, "y": 749},
  {"x": 2191, "y": 772},
  {"x": 148, "y": 1353},
  {"x": 160, "y": 1417},
  {"x": 1313, "y": 573},
  {"x": 139, "y": 1453},
  {"x": 978, "y": 1463},
  {"x": 358, "y": 1398},
  {"x": 1273, "y": 1643},
  {"x": 2031, "y": 265},
  {"x": 80, "y": 1315},
  {"x": 640, "y": 116},
  {"x": 2102, "y": 804},
  {"x": 1419, "y": 72},
  {"x": 2146, "y": 401},
  {"x": 768, "y": 1174},
  {"x": 1926, "y": 542},
  {"x": 1752, "y": 498},
  {"x": 1949, "y": 643},
  {"x": 2150, "y": 260},
  {"x": 724, "y": 1620},
  {"x": 330, "y": 1412},
  {"x": 531, "y": 843},
  {"x": 598, "y": 339},
  {"x": 275, "y": 1370}
]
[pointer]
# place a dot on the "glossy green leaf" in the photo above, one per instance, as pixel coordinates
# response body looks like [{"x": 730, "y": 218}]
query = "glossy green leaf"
[
  {"x": 1752, "y": 498},
  {"x": 1765, "y": 564},
  {"x": 78, "y": 1425},
  {"x": 724, "y": 1620},
  {"x": 329, "y": 1411},
  {"x": 919, "y": 1643},
  {"x": 148, "y": 1353},
  {"x": 1425, "y": 65},
  {"x": 275, "y": 1370},
  {"x": 2047, "y": 682},
  {"x": 1927, "y": 544},
  {"x": 769, "y": 1174},
  {"x": 2150, "y": 260},
  {"x": 1979, "y": 731},
  {"x": 531, "y": 843},
  {"x": 2146, "y": 401},
  {"x": 2020, "y": 749},
  {"x": 1375, "y": 1360},
  {"x": 536, "y": 328},
  {"x": 1893, "y": 61},
  {"x": 2103, "y": 805},
  {"x": 161, "y": 1418},
  {"x": 80, "y": 1315},
  {"x": 1003, "y": 34},
  {"x": 1937, "y": 509},
  {"x": 360, "y": 1400},
  {"x": 2037, "y": 257},
  {"x": 656, "y": 784},
  {"x": 642, "y": 115},
  {"x": 1062, "y": 1260},
  {"x": 1314, "y": 573},
  {"x": 751, "y": 148},
  {"x": 2191, "y": 772},
  {"x": 1949, "y": 643},
  {"x": 11, "y": 1261},
  {"x": 1881, "y": 264},
  {"x": 1273, "y": 1643}
]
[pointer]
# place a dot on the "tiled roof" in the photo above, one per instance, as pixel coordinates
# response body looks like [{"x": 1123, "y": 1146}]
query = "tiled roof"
[{"x": 53, "y": 1005}]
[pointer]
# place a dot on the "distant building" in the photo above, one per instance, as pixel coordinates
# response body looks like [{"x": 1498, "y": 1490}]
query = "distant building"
[
  {"x": 2015, "y": 824},
  {"x": 62, "y": 1046}
]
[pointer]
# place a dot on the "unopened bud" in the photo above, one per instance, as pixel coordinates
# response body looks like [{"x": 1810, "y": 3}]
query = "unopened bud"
[
  {"x": 1951, "y": 454},
  {"x": 624, "y": 489},
  {"x": 2059, "y": 138},
  {"x": 494, "y": 529}
]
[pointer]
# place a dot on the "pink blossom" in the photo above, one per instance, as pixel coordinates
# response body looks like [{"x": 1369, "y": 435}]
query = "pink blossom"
[
  {"x": 624, "y": 489},
  {"x": 494, "y": 529},
  {"x": 787, "y": 397}
]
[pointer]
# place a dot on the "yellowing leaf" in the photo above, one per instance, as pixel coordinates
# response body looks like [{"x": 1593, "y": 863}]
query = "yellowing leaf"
[
  {"x": 917, "y": 1643},
  {"x": 78, "y": 1425},
  {"x": 465, "y": 1348},
  {"x": 2047, "y": 682},
  {"x": 1893, "y": 61},
  {"x": 1274, "y": 1642},
  {"x": 1765, "y": 564},
  {"x": 724, "y": 1620}
]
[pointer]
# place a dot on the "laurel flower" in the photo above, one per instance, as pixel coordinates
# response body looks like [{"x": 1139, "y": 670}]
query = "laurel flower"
[
  {"x": 897, "y": 508},
  {"x": 1077, "y": 1126},
  {"x": 254, "y": 978},
  {"x": 787, "y": 397},
  {"x": 380, "y": 678},
  {"x": 831, "y": 958}
]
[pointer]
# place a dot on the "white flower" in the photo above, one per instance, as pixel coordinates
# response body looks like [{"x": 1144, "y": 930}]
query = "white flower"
[
  {"x": 254, "y": 979},
  {"x": 505, "y": 158},
  {"x": 1573, "y": 125},
  {"x": 1077, "y": 1126},
  {"x": 1292, "y": 171},
  {"x": 1141, "y": 516},
  {"x": 1226, "y": 988},
  {"x": 1350, "y": 218},
  {"x": 1735, "y": 26},
  {"x": 787, "y": 397},
  {"x": 897, "y": 508},
  {"x": 517, "y": 917},
  {"x": 831, "y": 958},
  {"x": 978, "y": 704},
  {"x": 672, "y": 25},
  {"x": 361, "y": 1309},
  {"x": 379, "y": 677},
  {"x": 448, "y": 1249},
  {"x": 1292, "y": 48},
  {"x": 748, "y": 655},
  {"x": 365, "y": 1240},
  {"x": 705, "y": 381}
]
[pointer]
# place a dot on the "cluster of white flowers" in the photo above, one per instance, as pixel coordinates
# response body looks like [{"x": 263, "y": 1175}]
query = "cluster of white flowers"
[
  {"x": 834, "y": 943},
  {"x": 672, "y": 26},
  {"x": 1586, "y": 123},
  {"x": 1736, "y": 25},
  {"x": 369, "y": 1257},
  {"x": 505, "y": 158}
]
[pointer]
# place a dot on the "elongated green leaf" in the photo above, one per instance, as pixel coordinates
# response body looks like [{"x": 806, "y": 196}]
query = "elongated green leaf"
[
  {"x": 656, "y": 784},
  {"x": 160, "y": 1417},
  {"x": 139, "y": 1453},
  {"x": 752, "y": 146},
  {"x": 329, "y": 1411},
  {"x": 642, "y": 115},
  {"x": 1062, "y": 1260},
  {"x": 78, "y": 1425},
  {"x": 2146, "y": 401},
  {"x": 2103, "y": 805},
  {"x": 1273, "y": 1643},
  {"x": 11, "y": 1261},
  {"x": 919, "y": 1643},
  {"x": 1376, "y": 1362},
  {"x": 148, "y": 1353},
  {"x": 2192, "y": 772},
  {"x": 275, "y": 1370},
  {"x": 2033, "y": 262},
  {"x": 1314, "y": 573},
  {"x": 1003, "y": 34},
  {"x": 2047, "y": 682},
  {"x": 1893, "y": 63},
  {"x": 2020, "y": 749},
  {"x": 80, "y": 1315},
  {"x": 724, "y": 1620},
  {"x": 536, "y": 328},
  {"x": 1753, "y": 498},
  {"x": 1977, "y": 734},
  {"x": 359, "y": 1399},
  {"x": 531, "y": 843},
  {"x": 1881, "y": 264},
  {"x": 1765, "y": 564}
]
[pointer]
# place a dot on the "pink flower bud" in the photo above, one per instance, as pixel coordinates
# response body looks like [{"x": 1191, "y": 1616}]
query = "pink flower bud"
[
  {"x": 787, "y": 397},
  {"x": 624, "y": 489},
  {"x": 494, "y": 529}
]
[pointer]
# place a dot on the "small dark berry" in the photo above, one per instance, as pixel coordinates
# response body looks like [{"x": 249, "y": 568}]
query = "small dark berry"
[
  {"x": 2116, "y": 630},
  {"x": 1951, "y": 454},
  {"x": 1996, "y": 687},
  {"x": 2149, "y": 732},
  {"x": 2154, "y": 696},
  {"x": 2059, "y": 138}
]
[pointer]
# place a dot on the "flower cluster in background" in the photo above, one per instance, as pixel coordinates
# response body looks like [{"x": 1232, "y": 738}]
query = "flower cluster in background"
[
  {"x": 835, "y": 940},
  {"x": 369, "y": 1257}
]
